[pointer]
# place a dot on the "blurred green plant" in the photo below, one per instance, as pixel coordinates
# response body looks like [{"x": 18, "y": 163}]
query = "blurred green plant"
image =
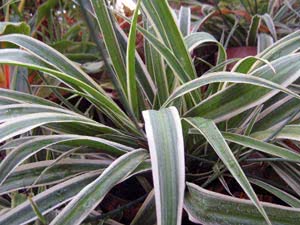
[{"x": 231, "y": 22}]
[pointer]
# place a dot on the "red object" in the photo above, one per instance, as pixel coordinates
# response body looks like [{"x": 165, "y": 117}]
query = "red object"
[{"x": 7, "y": 76}]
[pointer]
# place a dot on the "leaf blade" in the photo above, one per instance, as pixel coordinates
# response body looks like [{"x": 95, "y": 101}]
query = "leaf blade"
[
  {"x": 214, "y": 137},
  {"x": 89, "y": 197},
  {"x": 167, "y": 158}
]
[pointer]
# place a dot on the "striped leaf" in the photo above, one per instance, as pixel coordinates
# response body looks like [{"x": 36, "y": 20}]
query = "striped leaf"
[
  {"x": 165, "y": 141},
  {"x": 262, "y": 146},
  {"x": 48, "y": 200},
  {"x": 158, "y": 11},
  {"x": 226, "y": 104},
  {"x": 200, "y": 38},
  {"x": 184, "y": 20},
  {"x": 24, "y": 151},
  {"x": 226, "y": 77},
  {"x": 22, "y": 124},
  {"x": 29, "y": 175},
  {"x": 284, "y": 196},
  {"x": 98, "y": 97},
  {"x": 214, "y": 137},
  {"x": 89, "y": 197},
  {"x": 49, "y": 56},
  {"x": 132, "y": 93},
  {"x": 106, "y": 25},
  {"x": 208, "y": 207}
]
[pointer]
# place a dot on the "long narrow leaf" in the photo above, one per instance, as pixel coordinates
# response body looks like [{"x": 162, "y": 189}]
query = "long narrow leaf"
[
  {"x": 105, "y": 23},
  {"x": 48, "y": 200},
  {"x": 165, "y": 141},
  {"x": 284, "y": 196},
  {"x": 25, "y": 123},
  {"x": 50, "y": 56},
  {"x": 226, "y": 104},
  {"x": 26, "y": 175},
  {"x": 24, "y": 151},
  {"x": 212, "y": 134},
  {"x": 168, "y": 26},
  {"x": 184, "y": 20},
  {"x": 226, "y": 77},
  {"x": 261, "y": 146},
  {"x": 130, "y": 64},
  {"x": 208, "y": 207},
  {"x": 99, "y": 98},
  {"x": 89, "y": 197}
]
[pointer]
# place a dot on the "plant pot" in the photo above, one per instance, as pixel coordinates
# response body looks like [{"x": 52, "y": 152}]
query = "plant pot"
[{"x": 239, "y": 52}]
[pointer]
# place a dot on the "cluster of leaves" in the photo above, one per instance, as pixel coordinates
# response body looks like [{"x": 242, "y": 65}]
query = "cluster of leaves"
[
  {"x": 243, "y": 22},
  {"x": 194, "y": 132}
]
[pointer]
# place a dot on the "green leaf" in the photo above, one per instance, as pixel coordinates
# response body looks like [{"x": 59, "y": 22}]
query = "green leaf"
[
  {"x": 289, "y": 173},
  {"x": 214, "y": 137},
  {"x": 50, "y": 56},
  {"x": 24, "y": 151},
  {"x": 168, "y": 55},
  {"x": 105, "y": 23},
  {"x": 156, "y": 67},
  {"x": 16, "y": 126},
  {"x": 208, "y": 207},
  {"x": 245, "y": 65},
  {"x": 37, "y": 211},
  {"x": 170, "y": 58},
  {"x": 283, "y": 47},
  {"x": 26, "y": 175},
  {"x": 144, "y": 79},
  {"x": 290, "y": 132},
  {"x": 20, "y": 97},
  {"x": 130, "y": 64},
  {"x": 252, "y": 33},
  {"x": 15, "y": 110},
  {"x": 48, "y": 200},
  {"x": 270, "y": 24},
  {"x": 284, "y": 196},
  {"x": 261, "y": 146},
  {"x": 200, "y": 38},
  {"x": 225, "y": 77},
  {"x": 181, "y": 74},
  {"x": 89, "y": 197},
  {"x": 165, "y": 139},
  {"x": 99, "y": 98},
  {"x": 226, "y": 103},
  {"x": 11, "y": 27},
  {"x": 44, "y": 11},
  {"x": 279, "y": 110},
  {"x": 165, "y": 23}
]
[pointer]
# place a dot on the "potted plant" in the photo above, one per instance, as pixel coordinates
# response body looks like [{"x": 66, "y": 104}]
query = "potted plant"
[{"x": 161, "y": 145}]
